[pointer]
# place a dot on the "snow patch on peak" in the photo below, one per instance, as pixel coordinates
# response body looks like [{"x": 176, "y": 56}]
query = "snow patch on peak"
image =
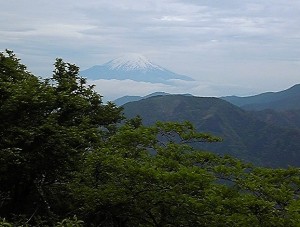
[{"x": 130, "y": 62}]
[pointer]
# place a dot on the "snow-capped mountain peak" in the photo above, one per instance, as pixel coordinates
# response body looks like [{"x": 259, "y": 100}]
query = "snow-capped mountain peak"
[
  {"x": 131, "y": 62},
  {"x": 133, "y": 67}
]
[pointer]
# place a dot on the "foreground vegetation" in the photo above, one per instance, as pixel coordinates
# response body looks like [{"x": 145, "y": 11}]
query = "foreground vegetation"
[{"x": 65, "y": 160}]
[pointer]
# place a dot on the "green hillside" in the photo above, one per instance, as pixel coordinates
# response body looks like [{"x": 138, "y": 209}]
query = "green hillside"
[
  {"x": 285, "y": 119},
  {"x": 244, "y": 135}
]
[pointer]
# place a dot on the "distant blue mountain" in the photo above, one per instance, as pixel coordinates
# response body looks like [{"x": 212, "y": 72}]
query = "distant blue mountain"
[
  {"x": 133, "y": 67},
  {"x": 126, "y": 99},
  {"x": 283, "y": 100}
]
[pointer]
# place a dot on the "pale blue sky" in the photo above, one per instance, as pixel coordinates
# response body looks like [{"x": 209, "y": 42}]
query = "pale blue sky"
[{"x": 230, "y": 47}]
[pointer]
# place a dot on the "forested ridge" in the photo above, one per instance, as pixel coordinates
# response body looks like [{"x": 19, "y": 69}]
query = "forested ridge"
[
  {"x": 68, "y": 159},
  {"x": 255, "y": 137}
]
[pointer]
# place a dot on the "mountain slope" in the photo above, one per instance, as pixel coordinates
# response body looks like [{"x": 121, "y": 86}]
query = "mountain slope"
[
  {"x": 283, "y": 100},
  {"x": 133, "y": 67},
  {"x": 285, "y": 118},
  {"x": 244, "y": 136},
  {"x": 125, "y": 99}
]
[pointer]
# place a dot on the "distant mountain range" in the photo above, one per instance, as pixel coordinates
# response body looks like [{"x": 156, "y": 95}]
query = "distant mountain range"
[
  {"x": 288, "y": 99},
  {"x": 129, "y": 98},
  {"x": 125, "y": 99},
  {"x": 283, "y": 100},
  {"x": 269, "y": 137},
  {"x": 133, "y": 67}
]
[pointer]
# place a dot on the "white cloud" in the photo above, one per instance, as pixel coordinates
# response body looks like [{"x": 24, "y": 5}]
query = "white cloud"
[
  {"x": 212, "y": 41},
  {"x": 113, "y": 89},
  {"x": 173, "y": 18}
]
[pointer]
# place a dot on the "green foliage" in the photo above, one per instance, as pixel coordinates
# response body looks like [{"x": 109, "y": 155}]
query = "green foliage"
[
  {"x": 137, "y": 180},
  {"x": 70, "y": 222},
  {"x": 63, "y": 155},
  {"x": 4, "y": 223},
  {"x": 48, "y": 127}
]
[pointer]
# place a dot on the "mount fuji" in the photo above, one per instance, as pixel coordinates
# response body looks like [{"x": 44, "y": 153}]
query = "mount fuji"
[{"x": 133, "y": 67}]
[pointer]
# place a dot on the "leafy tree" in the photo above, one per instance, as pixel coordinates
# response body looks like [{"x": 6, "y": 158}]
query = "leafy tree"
[
  {"x": 47, "y": 127},
  {"x": 65, "y": 161},
  {"x": 150, "y": 176}
]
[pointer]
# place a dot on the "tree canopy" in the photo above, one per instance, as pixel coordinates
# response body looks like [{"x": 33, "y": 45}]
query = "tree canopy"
[
  {"x": 67, "y": 159},
  {"x": 47, "y": 127}
]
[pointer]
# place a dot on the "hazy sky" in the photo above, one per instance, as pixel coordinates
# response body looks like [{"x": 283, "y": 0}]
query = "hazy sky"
[{"x": 228, "y": 46}]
